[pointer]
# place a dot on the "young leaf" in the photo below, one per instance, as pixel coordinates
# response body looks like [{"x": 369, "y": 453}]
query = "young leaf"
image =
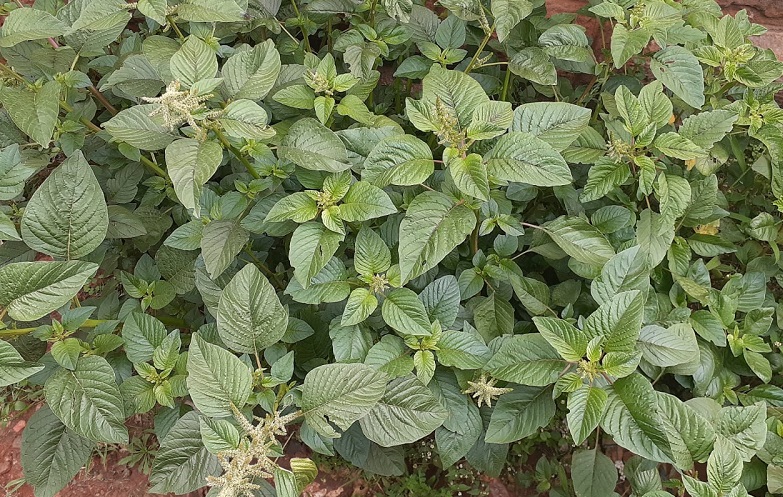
[
  {"x": 34, "y": 112},
  {"x": 217, "y": 379},
  {"x": 13, "y": 368},
  {"x": 191, "y": 164}
]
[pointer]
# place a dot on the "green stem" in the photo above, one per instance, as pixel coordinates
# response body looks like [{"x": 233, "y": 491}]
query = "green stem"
[
  {"x": 14, "y": 332},
  {"x": 236, "y": 153},
  {"x": 474, "y": 237},
  {"x": 264, "y": 268},
  {"x": 372, "y": 13},
  {"x": 175, "y": 27},
  {"x": 506, "y": 84},
  {"x": 480, "y": 49},
  {"x": 305, "y": 39}
]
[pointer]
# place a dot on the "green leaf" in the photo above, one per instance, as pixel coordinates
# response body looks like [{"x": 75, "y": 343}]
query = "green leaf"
[
  {"x": 507, "y": 14},
  {"x": 218, "y": 434},
  {"x": 527, "y": 360},
  {"x": 14, "y": 171},
  {"x": 744, "y": 427},
  {"x": 136, "y": 127},
  {"x": 433, "y": 226},
  {"x": 403, "y": 311},
  {"x": 390, "y": 356},
  {"x": 337, "y": 395},
  {"x": 310, "y": 145},
  {"x": 569, "y": 342},
  {"x": 624, "y": 271},
  {"x": 462, "y": 350},
  {"x": 454, "y": 445},
  {"x": 405, "y": 413},
  {"x": 298, "y": 207},
  {"x": 182, "y": 463},
  {"x": 654, "y": 236},
  {"x": 312, "y": 246},
  {"x": 724, "y": 467},
  {"x": 31, "y": 290},
  {"x": 522, "y": 157},
  {"x": 372, "y": 255},
  {"x": 667, "y": 347},
  {"x": 603, "y": 177},
  {"x": 220, "y": 243},
  {"x": 193, "y": 62},
  {"x": 593, "y": 474},
  {"x": 246, "y": 119},
  {"x": 252, "y": 73},
  {"x": 51, "y": 453},
  {"x": 34, "y": 112},
  {"x": 13, "y": 368},
  {"x": 365, "y": 201},
  {"x": 489, "y": 120},
  {"x": 533, "y": 64},
  {"x": 468, "y": 173},
  {"x": 557, "y": 123},
  {"x": 191, "y": 164},
  {"x": 691, "y": 435},
  {"x": 580, "y": 240},
  {"x": 441, "y": 299},
  {"x": 634, "y": 420},
  {"x": 66, "y": 352},
  {"x": 216, "y": 379},
  {"x": 679, "y": 70},
  {"x": 398, "y": 160},
  {"x": 154, "y": 9},
  {"x": 619, "y": 321},
  {"x": 674, "y": 193},
  {"x": 627, "y": 43},
  {"x": 142, "y": 333},
  {"x": 679, "y": 147},
  {"x": 494, "y": 317},
  {"x": 705, "y": 129},
  {"x": 250, "y": 317},
  {"x": 88, "y": 401},
  {"x": 361, "y": 303},
  {"x": 25, "y": 24},
  {"x": 585, "y": 410},
  {"x": 519, "y": 414}
]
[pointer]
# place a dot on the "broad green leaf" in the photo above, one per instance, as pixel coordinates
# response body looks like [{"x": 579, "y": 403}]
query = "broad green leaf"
[
  {"x": 454, "y": 445},
  {"x": 494, "y": 317},
  {"x": 154, "y": 9},
  {"x": 533, "y": 64},
  {"x": 220, "y": 243},
  {"x": 489, "y": 120},
  {"x": 390, "y": 356},
  {"x": 704, "y": 129},
  {"x": 310, "y": 145},
  {"x": 634, "y": 420},
  {"x": 654, "y": 236},
  {"x": 526, "y": 359},
  {"x": 51, "y": 453},
  {"x": 593, "y": 474},
  {"x": 507, "y": 14},
  {"x": 372, "y": 255},
  {"x": 724, "y": 467},
  {"x": 31, "y": 290},
  {"x": 585, "y": 410},
  {"x": 569, "y": 342},
  {"x": 557, "y": 123},
  {"x": 337, "y": 395},
  {"x": 462, "y": 350},
  {"x": 25, "y": 24},
  {"x": 405, "y": 413},
  {"x": 403, "y": 311},
  {"x": 522, "y": 157},
  {"x": 624, "y": 271},
  {"x": 619, "y": 321},
  {"x": 88, "y": 401},
  {"x": 744, "y": 427},
  {"x": 13, "y": 368},
  {"x": 679, "y": 70},
  {"x": 142, "y": 333},
  {"x": 136, "y": 127},
  {"x": 361, "y": 303},
  {"x": 191, "y": 164},
  {"x": 441, "y": 299},
  {"x": 250, "y": 317},
  {"x": 519, "y": 414},
  {"x": 193, "y": 62},
  {"x": 246, "y": 119},
  {"x": 67, "y": 215},
  {"x": 216, "y": 379},
  {"x": 398, "y": 160},
  {"x": 679, "y": 147},
  {"x": 182, "y": 463},
  {"x": 34, "y": 112},
  {"x": 580, "y": 240},
  {"x": 210, "y": 11},
  {"x": 218, "y": 434},
  {"x": 603, "y": 177},
  {"x": 468, "y": 173},
  {"x": 433, "y": 226},
  {"x": 627, "y": 43},
  {"x": 691, "y": 435},
  {"x": 252, "y": 73},
  {"x": 298, "y": 207},
  {"x": 312, "y": 246},
  {"x": 14, "y": 171},
  {"x": 665, "y": 347},
  {"x": 365, "y": 201}
]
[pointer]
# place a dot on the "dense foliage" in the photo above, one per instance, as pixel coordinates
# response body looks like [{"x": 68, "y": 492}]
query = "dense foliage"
[{"x": 369, "y": 223}]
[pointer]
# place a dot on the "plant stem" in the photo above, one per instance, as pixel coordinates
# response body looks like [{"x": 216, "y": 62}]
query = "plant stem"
[
  {"x": 480, "y": 49},
  {"x": 13, "y": 332},
  {"x": 372, "y": 13},
  {"x": 305, "y": 39},
  {"x": 506, "y": 84},
  {"x": 475, "y": 235},
  {"x": 236, "y": 153},
  {"x": 175, "y": 27},
  {"x": 264, "y": 268}
]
